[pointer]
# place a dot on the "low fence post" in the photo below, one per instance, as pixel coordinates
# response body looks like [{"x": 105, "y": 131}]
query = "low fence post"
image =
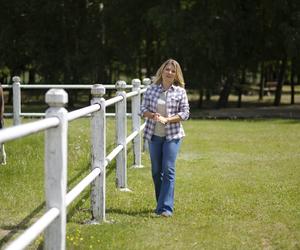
[
  {"x": 98, "y": 151},
  {"x": 136, "y": 124},
  {"x": 16, "y": 100},
  {"x": 56, "y": 168},
  {"x": 146, "y": 83},
  {"x": 121, "y": 131}
]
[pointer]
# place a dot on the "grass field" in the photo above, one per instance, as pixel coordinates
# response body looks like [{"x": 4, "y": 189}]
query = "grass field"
[{"x": 237, "y": 187}]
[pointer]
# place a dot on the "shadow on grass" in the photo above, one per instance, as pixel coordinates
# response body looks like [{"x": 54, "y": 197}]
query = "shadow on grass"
[
  {"x": 23, "y": 224},
  {"x": 71, "y": 181},
  {"x": 139, "y": 213},
  {"x": 20, "y": 226},
  {"x": 78, "y": 206},
  {"x": 111, "y": 167}
]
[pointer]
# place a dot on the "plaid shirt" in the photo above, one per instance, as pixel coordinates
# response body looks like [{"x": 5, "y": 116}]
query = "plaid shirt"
[{"x": 176, "y": 104}]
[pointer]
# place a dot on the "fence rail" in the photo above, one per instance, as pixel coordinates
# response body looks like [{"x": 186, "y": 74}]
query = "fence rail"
[
  {"x": 22, "y": 130},
  {"x": 55, "y": 125},
  {"x": 17, "y": 89}
]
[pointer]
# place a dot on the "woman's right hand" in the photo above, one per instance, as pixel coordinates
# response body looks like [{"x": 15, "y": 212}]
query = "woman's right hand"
[{"x": 156, "y": 117}]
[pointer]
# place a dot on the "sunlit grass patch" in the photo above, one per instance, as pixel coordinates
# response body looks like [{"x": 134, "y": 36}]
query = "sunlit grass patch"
[{"x": 237, "y": 187}]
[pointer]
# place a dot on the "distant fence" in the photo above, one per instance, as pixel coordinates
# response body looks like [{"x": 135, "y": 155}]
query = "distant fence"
[
  {"x": 55, "y": 125},
  {"x": 17, "y": 87}
]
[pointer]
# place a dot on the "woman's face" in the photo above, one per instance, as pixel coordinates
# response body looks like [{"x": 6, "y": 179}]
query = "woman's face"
[{"x": 168, "y": 74}]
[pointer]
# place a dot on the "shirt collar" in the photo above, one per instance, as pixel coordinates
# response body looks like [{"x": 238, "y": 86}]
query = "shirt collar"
[{"x": 161, "y": 89}]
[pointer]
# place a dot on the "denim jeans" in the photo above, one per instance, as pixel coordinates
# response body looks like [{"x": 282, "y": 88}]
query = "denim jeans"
[{"x": 163, "y": 156}]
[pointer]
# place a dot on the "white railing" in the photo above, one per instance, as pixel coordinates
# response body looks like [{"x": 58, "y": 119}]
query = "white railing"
[
  {"x": 17, "y": 100},
  {"x": 55, "y": 125}
]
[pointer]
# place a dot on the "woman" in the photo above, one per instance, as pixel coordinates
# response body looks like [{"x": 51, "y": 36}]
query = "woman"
[{"x": 165, "y": 105}]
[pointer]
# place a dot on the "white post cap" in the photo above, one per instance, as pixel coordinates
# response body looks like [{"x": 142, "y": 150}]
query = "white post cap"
[
  {"x": 98, "y": 90},
  {"x": 56, "y": 97},
  {"x": 120, "y": 85},
  {"x": 16, "y": 79},
  {"x": 146, "y": 81},
  {"x": 136, "y": 83}
]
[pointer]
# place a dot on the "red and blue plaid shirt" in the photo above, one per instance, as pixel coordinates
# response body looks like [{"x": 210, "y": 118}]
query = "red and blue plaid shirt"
[{"x": 176, "y": 104}]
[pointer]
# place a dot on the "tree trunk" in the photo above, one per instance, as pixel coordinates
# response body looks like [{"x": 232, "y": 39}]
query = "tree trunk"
[
  {"x": 239, "y": 103},
  {"x": 241, "y": 88},
  {"x": 224, "y": 95},
  {"x": 207, "y": 95},
  {"x": 293, "y": 82},
  {"x": 200, "y": 102},
  {"x": 280, "y": 83},
  {"x": 32, "y": 76},
  {"x": 262, "y": 82}
]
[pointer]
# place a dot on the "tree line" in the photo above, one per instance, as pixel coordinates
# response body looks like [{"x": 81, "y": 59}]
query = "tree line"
[{"x": 222, "y": 45}]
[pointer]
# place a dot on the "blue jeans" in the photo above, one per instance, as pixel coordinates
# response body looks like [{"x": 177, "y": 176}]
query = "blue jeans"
[{"x": 163, "y": 156}]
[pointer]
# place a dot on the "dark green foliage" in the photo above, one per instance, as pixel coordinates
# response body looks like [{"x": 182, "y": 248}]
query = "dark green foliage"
[{"x": 217, "y": 42}]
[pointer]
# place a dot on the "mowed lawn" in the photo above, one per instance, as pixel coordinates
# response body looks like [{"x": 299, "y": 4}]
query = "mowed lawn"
[{"x": 237, "y": 187}]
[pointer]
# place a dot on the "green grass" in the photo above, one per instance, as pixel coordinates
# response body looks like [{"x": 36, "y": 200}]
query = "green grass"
[{"x": 237, "y": 187}]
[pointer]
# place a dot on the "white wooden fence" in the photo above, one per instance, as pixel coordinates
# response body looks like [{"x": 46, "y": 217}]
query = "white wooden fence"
[
  {"x": 17, "y": 87},
  {"x": 55, "y": 125}
]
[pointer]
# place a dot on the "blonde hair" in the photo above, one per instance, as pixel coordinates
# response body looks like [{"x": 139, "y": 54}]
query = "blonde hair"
[{"x": 179, "y": 81}]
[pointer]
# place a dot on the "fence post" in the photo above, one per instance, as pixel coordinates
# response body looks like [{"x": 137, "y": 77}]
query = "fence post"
[
  {"x": 136, "y": 123},
  {"x": 16, "y": 100},
  {"x": 56, "y": 168},
  {"x": 146, "y": 83},
  {"x": 121, "y": 131},
  {"x": 98, "y": 151}
]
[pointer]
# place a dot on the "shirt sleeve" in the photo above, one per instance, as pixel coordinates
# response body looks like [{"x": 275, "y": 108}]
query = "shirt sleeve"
[
  {"x": 184, "y": 107},
  {"x": 145, "y": 103}
]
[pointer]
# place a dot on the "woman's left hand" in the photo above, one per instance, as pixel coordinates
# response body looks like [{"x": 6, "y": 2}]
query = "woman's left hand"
[{"x": 163, "y": 119}]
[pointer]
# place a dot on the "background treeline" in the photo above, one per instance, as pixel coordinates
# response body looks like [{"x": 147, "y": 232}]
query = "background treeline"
[{"x": 222, "y": 45}]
